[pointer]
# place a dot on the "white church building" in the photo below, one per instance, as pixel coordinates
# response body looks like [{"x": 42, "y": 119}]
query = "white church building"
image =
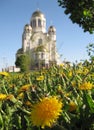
[{"x": 39, "y": 43}]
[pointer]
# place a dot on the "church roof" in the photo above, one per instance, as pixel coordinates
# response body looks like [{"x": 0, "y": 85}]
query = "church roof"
[
  {"x": 27, "y": 27},
  {"x": 52, "y": 28},
  {"x": 38, "y": 13},
  {"x": 40, "y": 48}
]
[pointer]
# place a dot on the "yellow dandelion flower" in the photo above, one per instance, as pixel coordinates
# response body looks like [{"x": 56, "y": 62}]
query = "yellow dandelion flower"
[
  {"x": 28, "y": 103},
  {"x": 67, "y": 94},
  {"x": 4, "y": 73},
  {"x": 59, "y": 87},
  {"x": 20, "y": 96},
  {"x": 46, "y": 112},
  {"x": 40, "y": 78},
  {"x": 61, "y": 64},
  {"x": 12, "y": 85},
  {"x": 79, "y": 71},
  {"x": 2, "y": 96},
  {"x": 10, "y": 96},
  {"x": 70, "y": 74},
  {"x": 73, "y": 83},
  {"x": 85, "y": 70},
  {"x": 25, "y": 87},
  {"x": 86, "y": 86},
  {"x": 72, "y": 106}
]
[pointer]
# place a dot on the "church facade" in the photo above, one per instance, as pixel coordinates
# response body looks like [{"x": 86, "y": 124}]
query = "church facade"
[{"x": 39, "y": 43}]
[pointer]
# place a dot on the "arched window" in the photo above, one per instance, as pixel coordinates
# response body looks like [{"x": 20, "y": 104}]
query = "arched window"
[
  {"x": 34, "y": 23},
  {"x": 40, "y": 41},
  {"x": 42, "y": 55},
  {"x": 39, "y": 23}
]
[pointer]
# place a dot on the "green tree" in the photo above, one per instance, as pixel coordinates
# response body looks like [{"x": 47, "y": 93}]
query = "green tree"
[
  {"x": 90, "y": 51},
  {"x": 23, "y": 61},
  {"x": 80, "y": 12}
]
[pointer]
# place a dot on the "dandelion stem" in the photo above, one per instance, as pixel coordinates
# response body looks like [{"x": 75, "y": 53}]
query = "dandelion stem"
[{"x": 5, "y": 88}]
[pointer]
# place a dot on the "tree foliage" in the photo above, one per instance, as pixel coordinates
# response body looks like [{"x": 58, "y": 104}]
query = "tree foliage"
[
  {"x": 90, "y": 51},
  {"x": 23, "y": 61},
  {"x": 80, "y": 12}
]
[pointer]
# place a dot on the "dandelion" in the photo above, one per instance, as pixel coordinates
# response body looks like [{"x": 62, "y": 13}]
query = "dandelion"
[
  {"x": 46, "y": 112},
  {"x": 85, "y": 70},
  {"x": 10, "y": 96},
  {"x": 25, "y": 87},
  {"x": 12, "y": 85},
  {"x": 72, "y": 106},
  {"x": 86, "y": 86},
  {"x": 70, "y": 74},
  {"x": 20, "y": 96},
  {"x": 61, "y": 64},
  {"x": 73, "y": 83},
  {"x": 4, "y": 73},
  {"x": 67, "y": 94},
  {"x": 59, "y": 87},
  {"x": 2, "y": 96},
  {"x": 28, "y": 103},
  {"x": 40, "y": 78}
]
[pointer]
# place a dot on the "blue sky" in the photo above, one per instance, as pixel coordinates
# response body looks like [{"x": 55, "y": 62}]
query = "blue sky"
[{"x": 14, "y": 14}]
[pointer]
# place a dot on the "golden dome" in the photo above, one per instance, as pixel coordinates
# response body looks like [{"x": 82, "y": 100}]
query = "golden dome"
[
  {"x": 38, "y": 14},
  {"x": 52, "y": 29},
  {"x": 27, "y": 27},
  {"x": 40, "y": 48}
]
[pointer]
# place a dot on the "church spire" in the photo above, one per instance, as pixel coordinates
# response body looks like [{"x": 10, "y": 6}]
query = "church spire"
[{"x": 37, "y": 5}]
